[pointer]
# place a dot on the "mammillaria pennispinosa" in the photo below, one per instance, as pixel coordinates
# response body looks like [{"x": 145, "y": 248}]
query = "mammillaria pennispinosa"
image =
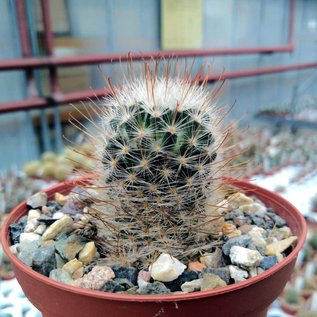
[{"x": 162, "y": 152}]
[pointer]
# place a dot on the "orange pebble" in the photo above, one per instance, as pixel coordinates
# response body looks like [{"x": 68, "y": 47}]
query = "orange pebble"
[{"x": 196, "y": 266}]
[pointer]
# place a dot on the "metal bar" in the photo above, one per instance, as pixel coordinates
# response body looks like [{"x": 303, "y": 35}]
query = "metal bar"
[
  {"x": 67, "y": 61},
  {"x": 43, "y": 62},
  {"x": 53, "y": 76},
  {"x": 90, "y": 94}
]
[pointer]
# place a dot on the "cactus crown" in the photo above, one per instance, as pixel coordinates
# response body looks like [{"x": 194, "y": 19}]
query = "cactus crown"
[{"x": 162, "y": 154}]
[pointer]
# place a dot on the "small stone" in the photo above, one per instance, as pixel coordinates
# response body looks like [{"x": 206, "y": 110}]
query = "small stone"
[
  {"x": 279, "y": 257},
  {"x": 246, "y": 228},
  {"x": 61, "y": 276},
  {"x": 72, "y": 266},
  {"x": 280, "y": 233},
  {"x": 46, "y": 220},
  {"x": 54, "y": 206},
  {"x": 278, "y": 221},
  {"x": 61, "y": 199},
  {"x": 253, "y": 272},
  {"x": 30, "y": 226},
  {"x": 245, "y": 257},
  {"x": 33, "y": 214},
  {"x": 88, "y": 253},
  {"x": 238, "y": 199},
  {"x": 78, "y": 273},
  {"x": 258, "y": 220},
  {"x": 46, "y": 211},
  {"x": 117, "y": 285},
  {"x": 58, "y": 215},
  {"x": 40, "y": 229},
  {"x": 37, "y": 200},
  {"x": 15, "y": 230},
  {"x": 242, "y": 241},
  {"x": 73, "y": 206},
  {"x": 69, "y": 247},
  {"x": 47, "y": 243},
  {"x": 196, "y": 266},
  {"x": 212, "y": 260},
  {"x": 279, "y": 246},
  {"x": 237, "y": 274},
  {"x": 259, "y": 270},
  {"x": 97, "y": 277},
  {"x": 253, "y": 208},
  {"x": 30, "y": 237},
  {"x": 44, "y": 260},
  {"x": 130, "y": 273},
  {"x": 256, "y": 235},
  {"x": 144, "y": 276},
  {"x": 268, "y": 262},
  {"x": 175, "y": 285},
  {"x": 59, "y": 261},
  {"x": 153, "y": 288},
  {"x": 15, "y": 249},
  {"x": 222, "y": 272},
  {"x": 234, "y": 214},
  {"x": 211, "y": 281},
  {"x": 62, "y": 225},
  {"x": 192, "y": 286},
  {"x": 166, "y": 268}
]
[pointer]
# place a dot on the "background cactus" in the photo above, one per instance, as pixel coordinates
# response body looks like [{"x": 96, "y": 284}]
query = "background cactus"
[{"x": 161, "y": 151}]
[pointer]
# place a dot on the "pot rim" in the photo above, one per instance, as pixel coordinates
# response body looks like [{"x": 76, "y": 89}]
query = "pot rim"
[{"x": 297, "y": 216}]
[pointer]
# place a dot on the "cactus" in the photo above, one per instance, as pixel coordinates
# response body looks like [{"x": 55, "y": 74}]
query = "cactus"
[{"x": 161, "y": 150}]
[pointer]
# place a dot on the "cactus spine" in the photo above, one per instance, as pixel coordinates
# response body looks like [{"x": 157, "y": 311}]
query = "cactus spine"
[{"x": 161, "y": 152}]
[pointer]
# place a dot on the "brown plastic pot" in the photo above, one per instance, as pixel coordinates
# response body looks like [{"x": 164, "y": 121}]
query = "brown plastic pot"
[{"x": 250, "y": 298}]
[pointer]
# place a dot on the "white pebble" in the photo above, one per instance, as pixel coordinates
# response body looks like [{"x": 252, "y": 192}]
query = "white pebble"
[
  {"x": 166, "y": 268},
  {"x": 245, "y": 257}
]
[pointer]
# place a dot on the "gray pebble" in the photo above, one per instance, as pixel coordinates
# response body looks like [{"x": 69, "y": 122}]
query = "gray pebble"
[{"x": 241, "y": 241}]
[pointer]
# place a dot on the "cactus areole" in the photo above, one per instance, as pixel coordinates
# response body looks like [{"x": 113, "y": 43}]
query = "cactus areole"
[{"x": 161, "y": 150}]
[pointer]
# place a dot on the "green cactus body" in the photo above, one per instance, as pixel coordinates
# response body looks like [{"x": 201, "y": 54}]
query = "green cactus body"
[{"x": 160, "y": 153}]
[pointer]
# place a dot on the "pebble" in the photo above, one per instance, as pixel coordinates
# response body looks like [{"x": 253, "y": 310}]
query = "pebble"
[
  {"x": 15, "y": 230},
  {"x": 37, "y": 200},
  {"x": 245, "y": 257},
  {"x": 211, "y": 281},
  {"x": 144, "y": 276},
  {"x": 267, "y": 262},
  {"x": 40, "y": 229},
  {"x": 54, "y": 206},
  {"x": 97, "y": 277},
  {"x": 246, "y": 228},
  {"x": 61, "y": 199},
  {"x": 78, "y": 273},
  {"x": 230, "y": 230},
  {"x": 222, "y": 272},
  {"x": 58, "y": 215},
  {"x": 279, "y": 246},
  {"x": 117, "y": 285},
  {"x": 278, "y": 221},
  {"x": 281, "y": 233},
  {"x": 256, "y": 235},
  {"x": 72, "y": 266},
  {"x": 88, "y": 253},
  {"x": 242, "y": 241},
  {"x": 153, "y": 288},
  {"x": 46, "y": 220},
  {"x": 166, "y": 268},
  {"x": 237, "y": 274},
  {"x": 192, "y": 286},
  {"x": 33, "y": 214},
  {"x": 212, "y": 260},
  {"x": 73, "y": 206},
  {"x": 196, "y": 266},
  {"x": 130, "y": 273},
  {"x": 61, "y": 275},
  {"x": 239, "y": 199},
  {"x": 186, "y": 276},
  {"x": 62, "y": 225},
  {"x": 69, "y": 247},
  {"x": 44, "y": 260},
  {"x": 59, "y": 261},
  {"x": 29, "y": 243}
]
